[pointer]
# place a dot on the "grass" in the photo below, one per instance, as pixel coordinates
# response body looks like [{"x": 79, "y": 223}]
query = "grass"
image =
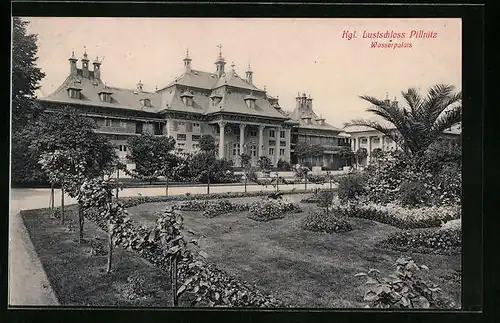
[
  {"x": 80, "y": 279},
  {"x": 307, "y": 269}
]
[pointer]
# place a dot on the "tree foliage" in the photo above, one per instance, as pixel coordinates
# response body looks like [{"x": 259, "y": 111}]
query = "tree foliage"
[
  {"x": 25, "y": 75},
  {"x": 346, "y": 154},
  {"x": 207, "y": 143},
  {"x": 152, "y": 156},
  {"x": 265, "y": 164},
  {"x": 421, "y": 122}
]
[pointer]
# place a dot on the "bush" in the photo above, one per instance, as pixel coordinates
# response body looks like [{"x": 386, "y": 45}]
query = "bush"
[
  {"x": 403, "y": 289},
  {"x": 270, "y": 209},
  {"x": 401, "y": 217},
  {"x": 352, "y": 186},
  {"x": 317, "y": 178},
  {"x": 413, "y": 193},
  {"x": 193, "y": 205},
  {"x": 283, "y": 165},
  {"x": 216, "y": 208},
  {"x": 325, "y": 221},
  {"x": 434, "y": 241}
]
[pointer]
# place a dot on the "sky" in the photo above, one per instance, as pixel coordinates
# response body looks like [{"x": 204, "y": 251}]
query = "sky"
[{"x": 286, "y": 55}]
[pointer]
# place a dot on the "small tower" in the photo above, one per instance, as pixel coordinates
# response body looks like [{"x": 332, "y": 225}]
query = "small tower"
[
  {"x": 220, "y": 62},
  {"x": 395, "y": 103},
  {"x": 85, "y": 65},
  {"x": 249, "y": 75},
  {"x": 139, "y": 86},
  {"x": 187, "y": 62},
  {"x": 97, "y": 68},
  {"x": 309, "y": 103},
  {"x": 387, "y": 101},
  {"x": 73, "y": 70},
  {"x": 298, "y": 101}
]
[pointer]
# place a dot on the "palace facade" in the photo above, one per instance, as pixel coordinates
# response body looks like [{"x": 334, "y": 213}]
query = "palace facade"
[{"x": 242, "y": 117}]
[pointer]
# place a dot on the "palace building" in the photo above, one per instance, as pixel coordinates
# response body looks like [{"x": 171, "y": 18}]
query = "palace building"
[{"x": 242, "y": 117}]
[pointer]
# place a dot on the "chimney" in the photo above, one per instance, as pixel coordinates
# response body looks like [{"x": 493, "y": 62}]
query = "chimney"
[
  {"x": 309, "y": 101},
  {"x": 187, "y": 62},
  {"x": 73, "y": 70},
  {"x": 297, "y": 101},
  {"x": 249, "y": 74},
  {"x": 97, "y": 68},
  {"x": 395, "y": 103},
  {"x": 85, "y": 65}
]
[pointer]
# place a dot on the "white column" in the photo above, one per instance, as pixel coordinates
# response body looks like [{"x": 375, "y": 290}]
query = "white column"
[
  {"x": 288, "y": 139},
  {"x": 381, "y": 142},
  {"x": 261, "y": 141},
  {"x": 242, "y": 140},
  {"x": 278, "y": 146},
  {"x": 167, "y": 126},
  {"x": 222, "y": 125}
]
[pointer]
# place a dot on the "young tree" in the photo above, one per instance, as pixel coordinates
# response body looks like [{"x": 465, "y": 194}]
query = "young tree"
[
  {"x": 317, "y": 151},
  {"x": 72, "y": 152},
  {"x": 421, "y": 122},
  {"x": 151, "y": 155},
  {"x": 207, "y": 143},
  {"x": 302, "y": 151},
  {"x": 245, "y": 162},
  {"x": 25, "y": 75}
]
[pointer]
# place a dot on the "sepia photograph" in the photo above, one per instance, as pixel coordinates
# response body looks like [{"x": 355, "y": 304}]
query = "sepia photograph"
[{"x": 236, "y": 162}]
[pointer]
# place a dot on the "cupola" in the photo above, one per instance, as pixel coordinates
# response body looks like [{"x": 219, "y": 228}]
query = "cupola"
[
  {"x": 73, "y": 70},
  {"x": 220, "y": 62},
  {"x": 187, "y": 62},
  {"x": 97, "y": 68},
  {"x": 85, "y": 65},
  {"x": 249, "y": 75}
]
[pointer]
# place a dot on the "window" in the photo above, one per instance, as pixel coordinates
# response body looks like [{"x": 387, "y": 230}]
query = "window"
[
  {"x": 388, "y": 140},
  {"x": 282, "y": 134},
  {"x": 282, "y": 143},
  {"x": 176, "y": 125},
  {"x": 253, "y": 150},
  {"x": 74, "y": 94},
  {"x": 124, "y": 148},
  {"x": 195, "y": 137},
  {"x": 236, "y": 149},
  {"x": 182, "y": 124},
  {"x": 282, "y": 152},
  {"x": 196, "y": 127},
  {"x": 120, "y": 147},
  {"x": 271, "y": 133},
  {"x": 271, "y": 151},
  {"x": 364, "y": 141},
  {"x": 253, "y": 133},
  {"x": 272, "y": 142},
  {"x": 196, "y": 146},
  {"x": 123, "y": 124},
  {"x": 376, "y": 140},
  {"x": 181, "y": 136},
  {"x": 189, "y": 127},
  {"x": 108, "y": 122}
]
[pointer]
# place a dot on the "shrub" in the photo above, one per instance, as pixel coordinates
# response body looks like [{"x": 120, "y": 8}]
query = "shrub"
[
  {"x": 403, "y": 289},
  {"x": 216, "y": 208},
  {"x": 401, "y": 217},
  {"x": 193, "y": 205},
  {"x": 351, "y": 186},
  {"x": 283, "y": 165},
  {"x": 270, "y": 209},
  {"x": 317, "y": 178},
  {"x": 325, "y": 198},
  {"x": 325, "y": 221},
  {"x": 434, "y": 241},
  {"x": 412, "y": 193}
]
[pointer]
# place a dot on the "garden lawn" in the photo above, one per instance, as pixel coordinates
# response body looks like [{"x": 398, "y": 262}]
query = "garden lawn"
[
  {"x": 306, "y": 269},
  {"x": 79, "y": 278}
]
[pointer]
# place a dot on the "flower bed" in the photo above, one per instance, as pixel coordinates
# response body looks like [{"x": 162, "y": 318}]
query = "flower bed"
[
  {"x": 215, "y": 287},
  {"x": 430, "y": 240},
  {"x": 134, "y": 201},
  {"x": 323, "y": 221},
  {"x": 213, "y": 208},
  {"x": 270, "y": 209},
  {"x": 398, "y": 216}
]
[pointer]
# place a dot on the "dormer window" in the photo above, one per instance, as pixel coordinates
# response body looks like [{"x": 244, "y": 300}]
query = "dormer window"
[
  {"x": 74, "y": 92},
  {"x": 145, "y": 103},
  {"x": 250, "y": 100},
  {"x": 216, "y": 98},
  {"x": 105, "y": 96},
  {"x": 187, "y": 98}
]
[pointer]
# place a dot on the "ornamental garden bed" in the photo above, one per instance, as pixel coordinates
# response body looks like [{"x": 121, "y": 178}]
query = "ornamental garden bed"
[{"x": 306, "y": 268}]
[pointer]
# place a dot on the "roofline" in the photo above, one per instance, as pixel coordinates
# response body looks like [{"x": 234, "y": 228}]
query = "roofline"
[{"x": 93, "y": 105}]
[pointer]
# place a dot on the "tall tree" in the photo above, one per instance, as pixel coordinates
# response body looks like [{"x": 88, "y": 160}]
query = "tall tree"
[
  {"x": 25, "y": 74},
  {"x": 421, "y": 122},
  {"x": 346, "y": 154},
  {"x": 151, "y": 155}
]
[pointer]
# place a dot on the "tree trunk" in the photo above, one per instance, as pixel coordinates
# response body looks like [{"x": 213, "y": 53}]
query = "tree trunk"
[
  {"x": 208, "y": 185},
  {"x": 81, "y": 221},
  {"x": 166, "y": 186},
  {"x": 173, "y": 276},
  {"x": 305, "y": 182},
  {"x": 245, "y": 183},
  {"x": 110, "y": 245},
  {"x": 62, "y": 204},
  {"x": 117, "y": 177}
]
